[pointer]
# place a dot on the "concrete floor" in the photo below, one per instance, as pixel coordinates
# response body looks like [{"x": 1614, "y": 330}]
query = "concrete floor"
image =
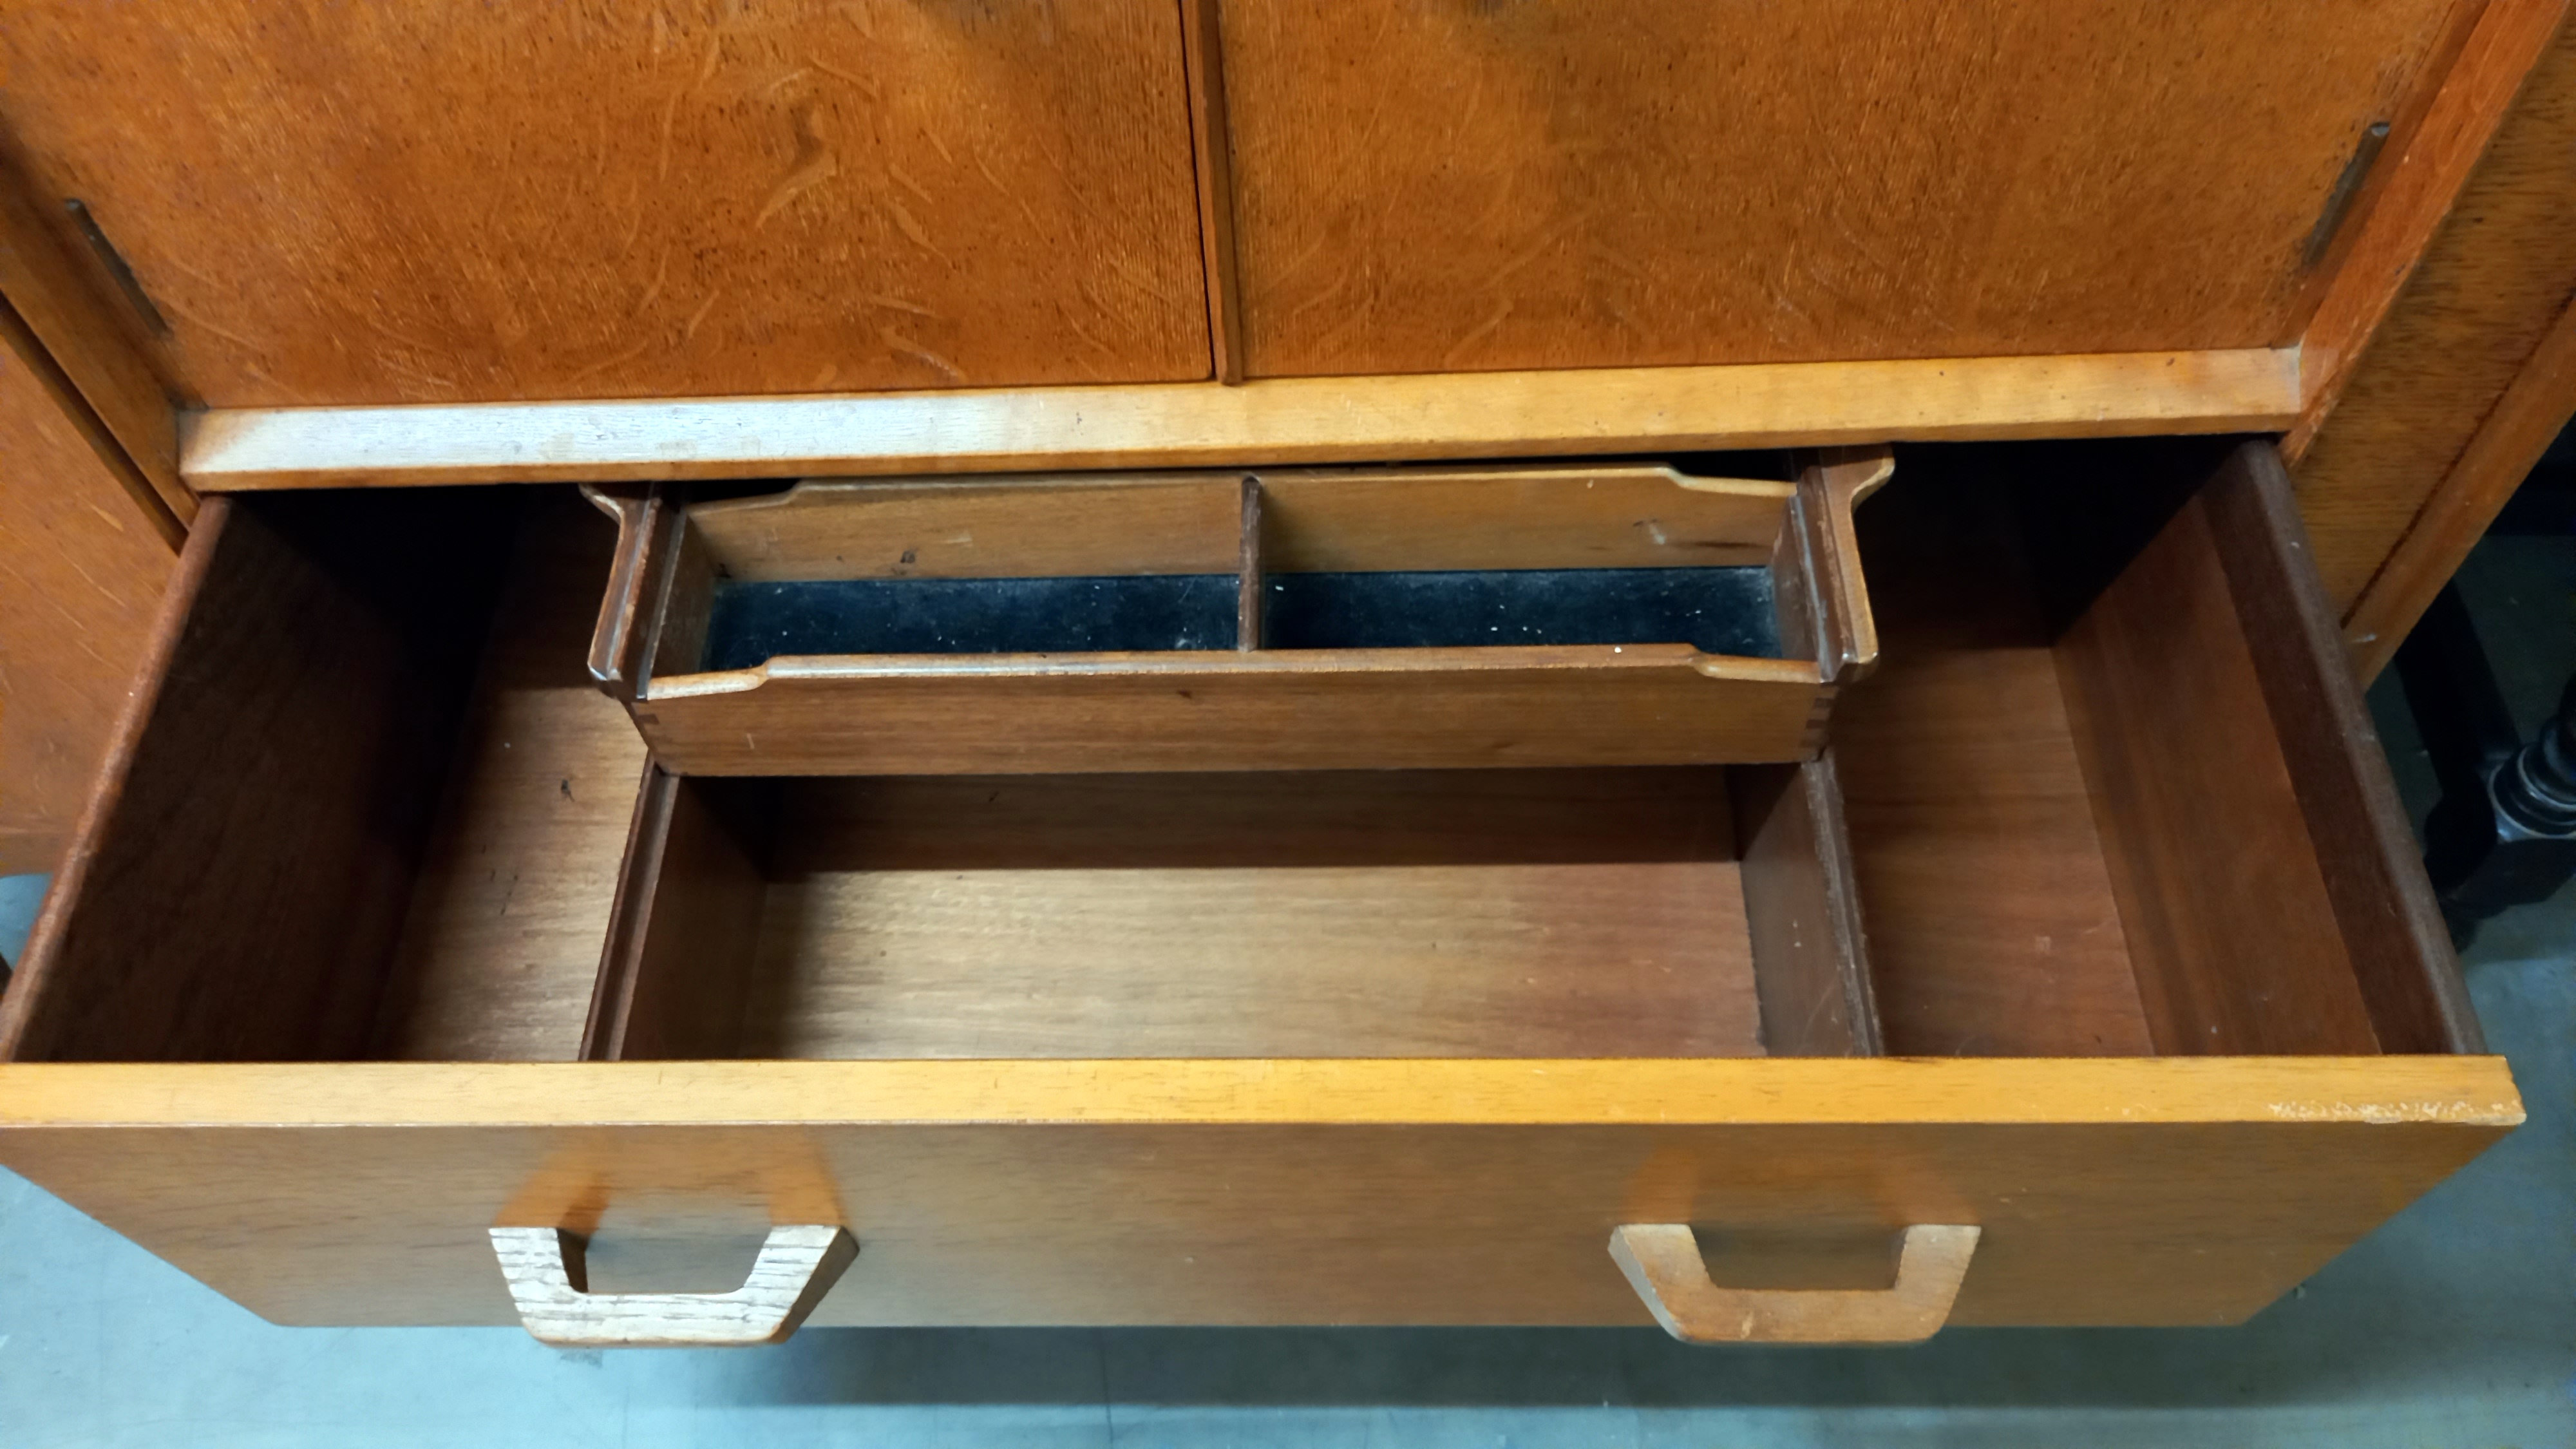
[{"x": 2454, "y": 1325}]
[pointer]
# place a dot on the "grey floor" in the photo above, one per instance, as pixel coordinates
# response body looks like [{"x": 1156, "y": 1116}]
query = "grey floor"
[{"x": 2454, "y": 1325}]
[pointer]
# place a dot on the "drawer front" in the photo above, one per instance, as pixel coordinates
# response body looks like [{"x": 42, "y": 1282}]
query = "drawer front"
[{"x": 1243, "y": 1192}]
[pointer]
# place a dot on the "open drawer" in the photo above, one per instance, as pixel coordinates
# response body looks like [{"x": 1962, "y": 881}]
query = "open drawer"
[
  {"x": 1584, "y": 614},
  {"x": 372, "y": 944}
]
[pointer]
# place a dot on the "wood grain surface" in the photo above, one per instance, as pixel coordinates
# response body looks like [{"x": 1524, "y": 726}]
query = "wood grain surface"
[
  {"x": 2529, "y": 417},
  {"x": 645, "y": 516},
  {"x": 1992, "y": 926},
  {"x": 1802, "y": 908},
  {"x": 94, "y": 340},
  {"x": 1287, "y": 420},
  {"x": 980, "y": 529},
  {"x": 684, "y": 928},
  {"x": 1373, "y": 914},
  {"x": 502, "y": 939},
  {"x": 2222, "y": 895},
  {"x": 2155, "y": 1191},
  {"x": 2365, "y": 843},
  {"x": 1214, "y": 151},
  {"x": 2491, "y": 287},
  {"x": 1831, "y": 483},
  {"x": 242, "y": 867},
  {"x": 1636, "y": 704},
  {"x": 679, "y": 577},
  {"x": 1089, "y": 1191},
  {"x": 1247, "y": 709},
  {"x": 2242, "y": 863},
  {"x": 1443, "y": 187},
  {"x": 2415, "y": 182},
  {"x": 412, "y": 204},
  {"x": 1249, "y": 631},
  {"x": 1593, "y": 913},
  {"x": 81, "y": 573},
  {"x": 1517, "y": 516}
]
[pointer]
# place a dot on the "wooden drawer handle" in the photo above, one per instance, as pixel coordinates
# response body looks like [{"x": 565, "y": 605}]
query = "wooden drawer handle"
[
  {"x": 796, "y": 1267},
  {"x": 1663, "y": 1264}
]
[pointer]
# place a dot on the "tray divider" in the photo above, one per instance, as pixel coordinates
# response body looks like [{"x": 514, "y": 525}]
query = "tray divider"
[{"x": 1247, "y": 598}]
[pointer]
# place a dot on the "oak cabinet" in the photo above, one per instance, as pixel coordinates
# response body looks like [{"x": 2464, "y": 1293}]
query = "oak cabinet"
[{"x": 2013, "y": 924}]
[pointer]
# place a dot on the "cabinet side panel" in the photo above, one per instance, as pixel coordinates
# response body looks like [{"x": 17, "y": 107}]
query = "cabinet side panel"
[{"x": 81, "y": 574}]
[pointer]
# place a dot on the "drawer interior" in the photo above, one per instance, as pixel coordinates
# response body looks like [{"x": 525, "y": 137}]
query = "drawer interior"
[
  {"x": 1482, "y": 913},
  {"x": 2112, "y": 790},
  {"x": 370, "y": 805}
]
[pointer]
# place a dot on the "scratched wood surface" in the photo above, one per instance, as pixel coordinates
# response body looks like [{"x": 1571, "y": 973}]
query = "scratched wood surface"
[
  {"x": 54, "y": 304},
  {"x": 419, "y": 203},
  {"x": 81, "y": 573},
  {"x": 1427, "y": 187},
  {"x": 2432, "y": 145}
]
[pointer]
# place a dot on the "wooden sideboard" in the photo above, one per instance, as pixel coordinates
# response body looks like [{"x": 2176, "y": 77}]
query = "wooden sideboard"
[{"x": 380, "y": 924}]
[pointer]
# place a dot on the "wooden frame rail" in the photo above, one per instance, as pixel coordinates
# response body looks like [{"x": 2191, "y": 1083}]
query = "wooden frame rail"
[{"x": 1271, "y": 421}]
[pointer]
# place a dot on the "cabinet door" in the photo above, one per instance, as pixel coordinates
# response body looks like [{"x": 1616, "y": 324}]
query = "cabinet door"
[
  {"x": 416, "y": 202},
  {"x": 1444, "y": 185}
]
